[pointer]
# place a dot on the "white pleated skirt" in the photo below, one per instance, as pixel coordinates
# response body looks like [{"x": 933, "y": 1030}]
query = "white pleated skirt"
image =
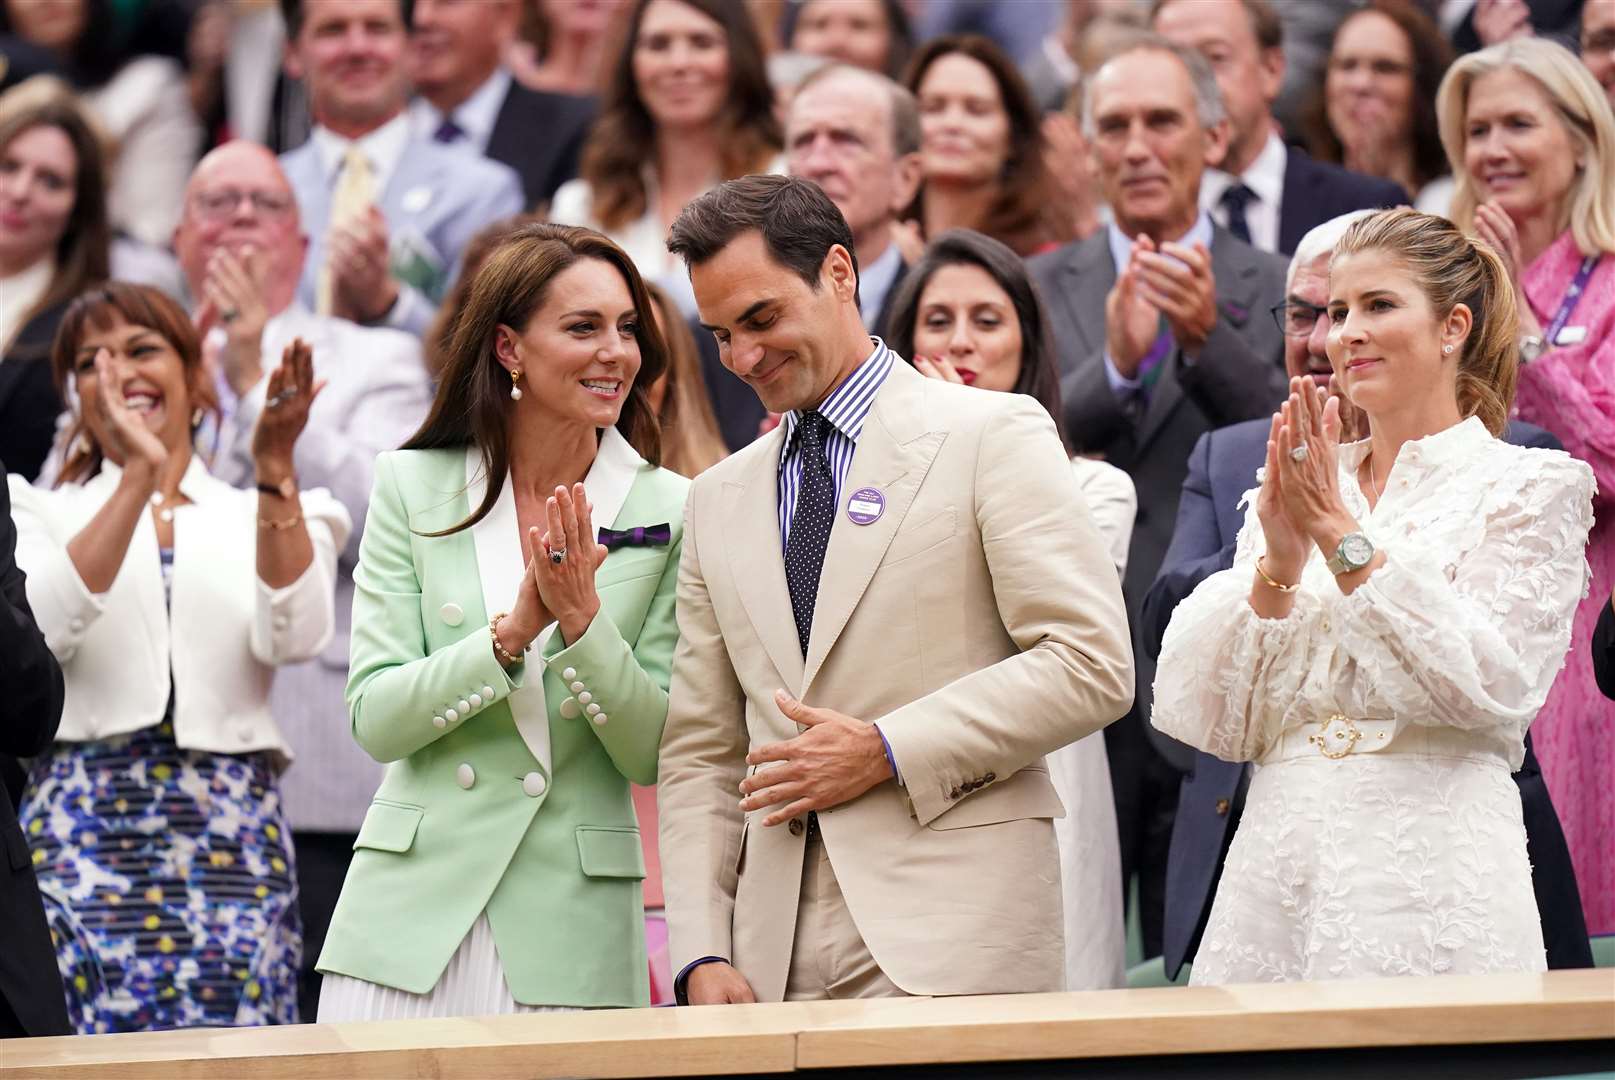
[{"x": 472, "y": 985}]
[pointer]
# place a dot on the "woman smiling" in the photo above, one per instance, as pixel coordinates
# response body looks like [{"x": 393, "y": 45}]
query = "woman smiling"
[{"x": 1396, "y": 613}]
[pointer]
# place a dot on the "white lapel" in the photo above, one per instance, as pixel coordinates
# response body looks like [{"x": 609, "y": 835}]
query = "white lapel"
[{"x": 501, "y": 563}]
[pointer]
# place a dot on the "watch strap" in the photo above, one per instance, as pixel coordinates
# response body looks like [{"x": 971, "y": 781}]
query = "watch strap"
[{"x": 286, "y": 489}]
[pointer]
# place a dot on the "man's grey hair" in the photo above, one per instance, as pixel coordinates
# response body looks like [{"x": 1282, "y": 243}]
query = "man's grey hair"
[
  {"x": 1208, "y": 104},
  {"x": 1320, "y": 241},
  {"x": 905, "y": 110}
]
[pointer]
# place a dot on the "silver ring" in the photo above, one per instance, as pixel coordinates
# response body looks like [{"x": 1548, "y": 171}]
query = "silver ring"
[
  {"x": 280, "y": 399},
  {"x": 229, "y": 315},
  {"x": 1299, "y": 453},
  {"x": 558, "y": 556}
]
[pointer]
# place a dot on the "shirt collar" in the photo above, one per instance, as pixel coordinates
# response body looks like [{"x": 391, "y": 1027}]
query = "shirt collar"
[
  {"x": 384, "y": 146},
  {"x": 197, "y": 484},
  {"x": 1265, "y": 176},
  {"x": 848, "y": 405},
  {"x": 1442, "y": 447},
  {"x": 476, "y": 115},
  {"x": 876, "y": 281},
  {"x": 1121, "y": 245}
]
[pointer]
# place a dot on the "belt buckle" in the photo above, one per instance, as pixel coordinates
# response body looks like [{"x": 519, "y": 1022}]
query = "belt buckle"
[{"x": 1343, "y": 741}]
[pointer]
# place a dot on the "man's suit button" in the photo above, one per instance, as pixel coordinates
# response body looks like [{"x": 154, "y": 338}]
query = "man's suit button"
[
  {"x": 795, "y": 826},
  {"x": 1222, "y": 807},
  {"x": 533, "y": 784},
  {"x": 955, "y": 793},
  {"x": 465, "y": 775},
  {"x": 989, "y": 778}
]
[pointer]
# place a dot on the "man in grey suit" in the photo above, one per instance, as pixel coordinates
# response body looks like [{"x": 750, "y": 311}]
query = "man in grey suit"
[
  {"x": 389, "y": 262},
  {"x": 1161, "y": 324}
]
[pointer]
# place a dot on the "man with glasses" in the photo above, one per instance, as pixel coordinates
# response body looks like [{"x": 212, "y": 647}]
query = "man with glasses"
[
  {"x": 1222, "y": 469},
  {"x": 242, "y": 247}
]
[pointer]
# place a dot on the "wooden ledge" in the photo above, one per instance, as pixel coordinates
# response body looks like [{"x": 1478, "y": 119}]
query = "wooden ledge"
[{"x": 761, "y": 1039}]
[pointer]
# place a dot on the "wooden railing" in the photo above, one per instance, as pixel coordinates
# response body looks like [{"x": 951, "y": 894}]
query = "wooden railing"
[{"x": 1573, "y": 1009}]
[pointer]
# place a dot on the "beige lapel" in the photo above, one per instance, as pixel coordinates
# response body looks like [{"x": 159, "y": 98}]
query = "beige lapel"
[
  {"x": 751, "y": 541},
  {"x": 895, "y": 451}
]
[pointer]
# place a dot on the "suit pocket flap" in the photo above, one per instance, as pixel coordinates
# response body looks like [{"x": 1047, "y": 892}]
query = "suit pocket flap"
[
  {"x": 610, "y": 851},
  {"x": 389, "y": 826},
  {"x": 1027, "y": 794}
]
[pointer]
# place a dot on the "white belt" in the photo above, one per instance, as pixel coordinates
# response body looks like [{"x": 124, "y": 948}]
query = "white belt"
[{"x": 1339, "y": 737}]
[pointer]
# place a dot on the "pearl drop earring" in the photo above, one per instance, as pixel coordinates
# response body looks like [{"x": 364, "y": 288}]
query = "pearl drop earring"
[{"x": 515, "y": 390}]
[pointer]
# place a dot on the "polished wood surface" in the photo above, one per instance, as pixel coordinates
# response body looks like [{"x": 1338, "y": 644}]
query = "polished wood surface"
[{"x": 761, "y": 1039}]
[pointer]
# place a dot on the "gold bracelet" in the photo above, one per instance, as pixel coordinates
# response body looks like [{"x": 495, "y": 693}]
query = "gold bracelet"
[
  {"x": 1273, "y": 584},
  {"x": 498, "y": 649},
  {"x": 278, "y": 525}
]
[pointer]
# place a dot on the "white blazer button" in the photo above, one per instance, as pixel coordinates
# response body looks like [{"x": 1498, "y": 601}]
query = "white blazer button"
[
  {"x": 569, "y": 674},
  {"x": 533, "y": 784},
  {"x": 282, "y": 622},
  {"x": 592, "y": 709},
  {"x": 439, "y": 722},
  {"x": 464, "y": 707},
  {"x": 577, "y": 688},
  {"x": 450, "y": 715},
  {"x": 452, "y": 614},
  {"x": 465, "y": 775},
  {"x": 600, "y": 719},
  {"x": 476, "y": 701},
  {"x": 585, "y": 697},
  {"x": 487, "y": 693},
  {"x": 569, "y": 708}
]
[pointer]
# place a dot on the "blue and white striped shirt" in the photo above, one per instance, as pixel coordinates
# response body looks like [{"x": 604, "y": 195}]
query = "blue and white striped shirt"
[{"x": 846, "y": 408}]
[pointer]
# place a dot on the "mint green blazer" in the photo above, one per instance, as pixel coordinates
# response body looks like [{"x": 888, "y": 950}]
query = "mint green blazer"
[{"x": 497, "y": 799}]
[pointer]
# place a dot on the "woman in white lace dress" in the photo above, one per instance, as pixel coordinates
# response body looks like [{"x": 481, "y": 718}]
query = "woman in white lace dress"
[{"x": 1397, "y": 610}]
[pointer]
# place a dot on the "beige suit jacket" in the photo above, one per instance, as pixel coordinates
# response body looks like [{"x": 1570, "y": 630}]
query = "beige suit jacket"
[{"x": 979, "y": 620}]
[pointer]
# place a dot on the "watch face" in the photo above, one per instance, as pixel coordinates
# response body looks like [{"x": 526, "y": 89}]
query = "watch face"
[{"x": 1356, "y": 550}]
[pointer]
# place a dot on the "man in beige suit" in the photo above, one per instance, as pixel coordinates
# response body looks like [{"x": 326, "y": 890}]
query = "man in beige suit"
[{"x": 891, "y": 607}]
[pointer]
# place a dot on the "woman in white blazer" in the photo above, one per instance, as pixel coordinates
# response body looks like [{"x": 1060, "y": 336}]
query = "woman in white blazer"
[{"x": 169, "y": 598}]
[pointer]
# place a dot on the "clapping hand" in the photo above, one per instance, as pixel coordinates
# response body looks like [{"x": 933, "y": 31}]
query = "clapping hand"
[
  {"x": 1178, "y": 282},
  {"x": 566, "y": 586},
  {"x": 1309, "y": 478},
  {"x": 361, "y": 274},
  {"x": 233, "y": 297},
  {"x": 291, "y": 392},
  {"x": 1493, "y": 225},
  {"x": 1132, "y": 323},
  {"x": 131, "y": 441}
]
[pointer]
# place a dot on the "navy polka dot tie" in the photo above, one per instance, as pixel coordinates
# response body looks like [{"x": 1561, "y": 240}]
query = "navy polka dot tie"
[{"x": 810, "y": 523}]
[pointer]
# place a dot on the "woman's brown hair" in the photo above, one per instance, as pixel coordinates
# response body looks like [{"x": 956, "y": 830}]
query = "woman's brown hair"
[
  {"x": 1432, "y": 55},
  {"x": 98, "y": 309},
  {"x": 690, "y": 440},
  {"x": 440, "y": 334},
  {"x": 1027, "y": 214},
  {"x": 83, "y": 252},
  {"x": 1454, "y": 269},
  {"x": 624, "y": 136},
  {"x": 472, "y": 406}
]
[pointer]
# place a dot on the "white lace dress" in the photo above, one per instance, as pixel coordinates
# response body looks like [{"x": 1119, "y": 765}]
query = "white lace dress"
[{"x": 1402, "y": 850}]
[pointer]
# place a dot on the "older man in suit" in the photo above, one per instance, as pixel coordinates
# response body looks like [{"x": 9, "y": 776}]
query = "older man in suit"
[
  {"x": 31, "y": 998},
  {"x": 1160, "y": 324},
  {"x": 1222, "y": 470},
  {"x": 890, "y": 607},
  {"x": 1263, "y": 192},
  {"x": 388, "y": 213},
  {"x": 242, "y": 250},
  {"x": 466, "y": 98}
]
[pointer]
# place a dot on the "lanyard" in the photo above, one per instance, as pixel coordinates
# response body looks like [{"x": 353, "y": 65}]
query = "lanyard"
[{"x": 1567, "y": 306}]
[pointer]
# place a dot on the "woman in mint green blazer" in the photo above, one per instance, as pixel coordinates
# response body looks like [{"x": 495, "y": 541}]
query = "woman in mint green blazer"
[{"x": 508, "y": 665}]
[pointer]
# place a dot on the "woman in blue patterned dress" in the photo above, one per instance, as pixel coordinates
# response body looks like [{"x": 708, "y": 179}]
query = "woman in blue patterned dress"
[{"x": 169, "y": 597}]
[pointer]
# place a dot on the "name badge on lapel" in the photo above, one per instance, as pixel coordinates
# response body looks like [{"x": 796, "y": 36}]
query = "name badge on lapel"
[{"x": 865, "y": 506}]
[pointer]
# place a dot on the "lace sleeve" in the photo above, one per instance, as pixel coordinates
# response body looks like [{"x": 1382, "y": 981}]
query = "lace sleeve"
[
  {"x": 1474, "y": 638},
  {"x": 1225, "y": 673}
]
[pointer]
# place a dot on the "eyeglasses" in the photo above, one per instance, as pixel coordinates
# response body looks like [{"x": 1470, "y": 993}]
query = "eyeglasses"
[
  {"x": 1296, "y": 318},
  {"x": 221, "y": 203}
]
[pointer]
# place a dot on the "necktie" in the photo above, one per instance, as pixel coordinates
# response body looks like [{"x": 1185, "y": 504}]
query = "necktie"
[
  {"x": 1234, "y": 200},
  {"x": 448, "y": 131},
  {"x": 810, "y": 523},
  {"x": 355, "y": 191}
]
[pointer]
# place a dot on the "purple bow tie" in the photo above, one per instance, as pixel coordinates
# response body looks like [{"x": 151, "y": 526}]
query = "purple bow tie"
[{"x": 639, "y": 536}]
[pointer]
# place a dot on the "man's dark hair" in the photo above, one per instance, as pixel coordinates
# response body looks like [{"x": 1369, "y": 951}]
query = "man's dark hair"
[
  {"x": 798, "y": 222},
  {"x": 292, "y": 13}
]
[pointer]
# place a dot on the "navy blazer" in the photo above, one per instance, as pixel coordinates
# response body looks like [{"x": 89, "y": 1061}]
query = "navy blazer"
[
  {"x": 541, "y": 136},
  {"x": 31, "y": 998},
  {"x": 1222, "y": 468},
  {"x": 1604, "y": 651},
  {"x": 1316, "y": 191}
]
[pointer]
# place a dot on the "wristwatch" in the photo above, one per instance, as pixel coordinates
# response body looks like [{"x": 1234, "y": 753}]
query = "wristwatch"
[
  {"x": 1355, "y": 552},
  {"x": 286, "y": 489},
  {"x": 1531, "y": 347}
]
